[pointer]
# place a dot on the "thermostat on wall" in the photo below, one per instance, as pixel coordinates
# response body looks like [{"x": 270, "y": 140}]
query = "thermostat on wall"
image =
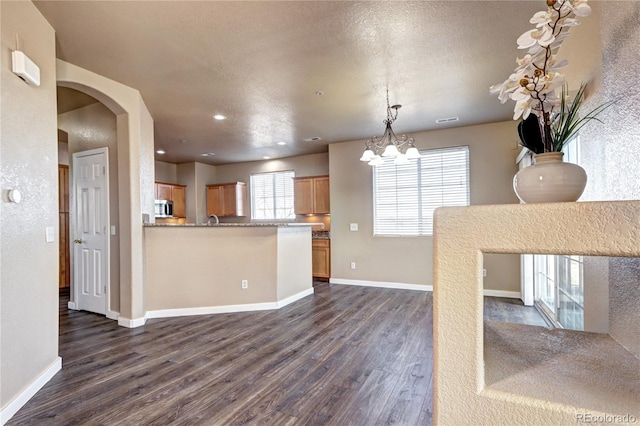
[{"x": 25, "y": 68}]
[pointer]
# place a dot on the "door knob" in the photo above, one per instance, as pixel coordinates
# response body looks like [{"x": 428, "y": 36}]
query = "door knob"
[{"x": 77, "y": 241}]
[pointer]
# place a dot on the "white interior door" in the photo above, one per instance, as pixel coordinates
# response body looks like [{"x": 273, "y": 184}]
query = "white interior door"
[{"x": 91, "y": 230}]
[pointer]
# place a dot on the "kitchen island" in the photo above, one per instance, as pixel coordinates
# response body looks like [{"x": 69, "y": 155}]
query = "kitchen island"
[{"x": 198, "y": 269}]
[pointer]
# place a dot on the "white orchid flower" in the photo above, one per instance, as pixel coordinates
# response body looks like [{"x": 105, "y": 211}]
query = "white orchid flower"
[
  {"x": 534, "y": 84},
  {"x": 542, "y": 18},
  {"x": 543, "y": 36}
]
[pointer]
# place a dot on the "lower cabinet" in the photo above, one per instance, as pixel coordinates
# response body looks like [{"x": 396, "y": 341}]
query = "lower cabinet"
[{"x": 321, "y": 258}]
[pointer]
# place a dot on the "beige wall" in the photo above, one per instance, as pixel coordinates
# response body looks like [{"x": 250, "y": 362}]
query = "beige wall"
[
  {"x": 492, "y": 152},
  {"x": 91, "y": 127},
  {"x": 202, "y": 267},
  {"x": 166, "y": 172},
  {"x": 29, "y": 163}
]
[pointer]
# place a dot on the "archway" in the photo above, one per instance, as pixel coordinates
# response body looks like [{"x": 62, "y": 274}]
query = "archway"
[{"x": 136, "y": 176}]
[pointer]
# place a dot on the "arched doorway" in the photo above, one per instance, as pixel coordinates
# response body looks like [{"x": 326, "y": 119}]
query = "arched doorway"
[{"x": 134, "y": 139}]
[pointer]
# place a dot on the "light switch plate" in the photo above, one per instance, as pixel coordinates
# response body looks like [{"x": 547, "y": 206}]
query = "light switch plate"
[
  {"x": 49, "y": 235},
  {"x": 353, "y": 227},
  {"x": 113, "y": 230}
]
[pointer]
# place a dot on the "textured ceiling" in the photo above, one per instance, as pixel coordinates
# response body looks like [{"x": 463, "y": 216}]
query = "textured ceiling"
[{"x": 261, "y": 64}]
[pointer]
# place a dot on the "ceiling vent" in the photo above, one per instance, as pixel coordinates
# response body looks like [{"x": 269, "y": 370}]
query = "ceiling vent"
[{"x": 447, "y": 120}]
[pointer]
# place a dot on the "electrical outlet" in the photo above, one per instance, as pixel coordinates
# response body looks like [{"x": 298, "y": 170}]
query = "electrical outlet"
[
  {"x": 353, "y": 227},
  {"x": 353, "y": 265},
  {"x": 245, "y": 284},
  {"x": 484, "y": 272}
]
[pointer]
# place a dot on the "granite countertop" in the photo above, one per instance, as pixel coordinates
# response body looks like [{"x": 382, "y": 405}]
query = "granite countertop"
[
  {"x": 223, "y": 225},
  {"x": 321, "y": 235}
]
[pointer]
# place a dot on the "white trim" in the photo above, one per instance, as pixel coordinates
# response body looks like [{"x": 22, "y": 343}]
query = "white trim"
[
  {"x": 381, "y": 284},
  {"x": 226, "y": 309},
  {"x": 19, "y": 401},
  {"x": 113, "y": 315},
  {"x": 502, "y": 293},
  {"x": 208, "y": 310},
  {"x": 131, "y": 323},
  {"x": 289, "y": 300},
  {"x": 72, "y": 305}
]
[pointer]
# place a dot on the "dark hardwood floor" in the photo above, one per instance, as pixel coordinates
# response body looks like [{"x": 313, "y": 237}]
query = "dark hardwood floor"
[{"x": 344, "y": 356}]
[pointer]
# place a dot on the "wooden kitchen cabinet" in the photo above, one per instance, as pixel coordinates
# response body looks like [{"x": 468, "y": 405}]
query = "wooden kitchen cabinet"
[
  {"x": 321, "y": 258},
  {"x": 175, "y": 193},
  {"x": 311, "y": 195},
  {"x": 63, "y": 213},
  {"x": 227, "y": 199}
]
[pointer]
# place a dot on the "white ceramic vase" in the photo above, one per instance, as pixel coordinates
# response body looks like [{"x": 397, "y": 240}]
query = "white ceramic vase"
[{"x": 550, "y": 180}]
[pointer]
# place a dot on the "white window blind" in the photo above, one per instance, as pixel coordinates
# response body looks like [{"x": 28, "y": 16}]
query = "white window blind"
[
  {"x": 405, "y": 195},
  {"x": 272, "y": 195}
]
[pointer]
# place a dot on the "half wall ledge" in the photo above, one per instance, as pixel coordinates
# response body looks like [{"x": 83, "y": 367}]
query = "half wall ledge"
[{"x": 520, "y": 384}]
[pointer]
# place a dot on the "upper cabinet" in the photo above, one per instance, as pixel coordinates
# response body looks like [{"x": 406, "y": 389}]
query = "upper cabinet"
[
  {"x": 311, "y": 195},
  {"x": 227, "y": 199},
  {"x": 173, "y": 192}
]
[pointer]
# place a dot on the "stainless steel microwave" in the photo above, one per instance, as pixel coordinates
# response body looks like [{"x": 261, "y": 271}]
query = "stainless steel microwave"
[{"x": 164, "y": 208}]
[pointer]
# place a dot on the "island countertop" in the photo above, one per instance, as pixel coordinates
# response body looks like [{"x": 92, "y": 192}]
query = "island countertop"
[
  {"x": 230, "y": 225},
  {"x": 237, "y": 267}
]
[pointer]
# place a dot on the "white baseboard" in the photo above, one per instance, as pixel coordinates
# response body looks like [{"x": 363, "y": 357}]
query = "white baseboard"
[
  {"x": 284, "y": 302},
  {"x": 19, "y": 401},
  {"x": 131, "y": 323},
  {"x": 381, "y": 284},
  {"x": 227, "y": 309},
  {"x": 502, "y": 293},
  {"x": 113, "y": 315}
]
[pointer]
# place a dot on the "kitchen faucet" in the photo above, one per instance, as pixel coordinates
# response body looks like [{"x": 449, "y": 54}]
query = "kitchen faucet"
[{"x": 212, "y": 216}]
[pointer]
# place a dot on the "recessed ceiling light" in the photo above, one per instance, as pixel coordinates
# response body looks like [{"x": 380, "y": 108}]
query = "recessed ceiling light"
[
  {"x": 282, "y": 143},
  {"x": 219, "y": 117},
  {"x": 207, "y": 154},
  {"x": 266, "y": 157},
  {"x": 447, "y": 120},
  {"x": 160, "y": 151},
  {"x": 313, "y": 139}
]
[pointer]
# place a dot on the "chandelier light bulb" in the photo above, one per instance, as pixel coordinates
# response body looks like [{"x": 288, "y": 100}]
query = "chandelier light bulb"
[
  {"x": 412, "y": 153},
  {"x": 390, "y": 151},
  {"x": 367, "y": 155}
]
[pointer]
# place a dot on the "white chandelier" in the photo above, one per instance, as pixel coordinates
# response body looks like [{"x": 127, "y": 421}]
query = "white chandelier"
[{"x": 389, "y": 145}]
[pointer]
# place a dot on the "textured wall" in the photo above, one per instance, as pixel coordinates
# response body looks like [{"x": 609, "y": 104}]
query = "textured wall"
[
  {"x": 610, "y": 154},
  {"x": 462, "y": 235},
  {"x": 91, "y": 127},
  {"x": 492, "y": 152},
  {"x": 29, "y": 163}
]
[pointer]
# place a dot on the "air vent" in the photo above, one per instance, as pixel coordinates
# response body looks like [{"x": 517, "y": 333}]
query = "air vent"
[
  {"x": 447, "y": 120},
  {"x": 313, "y": 139}
]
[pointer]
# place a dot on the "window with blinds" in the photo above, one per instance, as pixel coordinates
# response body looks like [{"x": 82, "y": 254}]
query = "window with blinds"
[
  {"x": 272, "y": 195},
  {"x": 405, "y": 195}
]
